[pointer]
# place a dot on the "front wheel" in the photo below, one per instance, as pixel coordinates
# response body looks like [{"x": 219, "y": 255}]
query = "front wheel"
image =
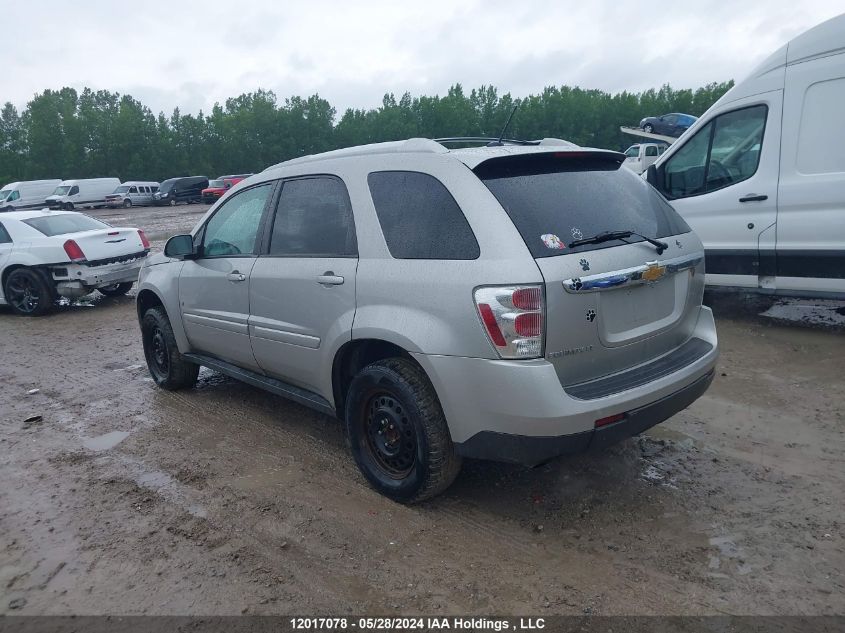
[
  {"x": 648, "y": 127},
  {"x": 127, "y": 203},
  {"x": 398, "y": 433},
  {"x": 67, "y": 206},
  {"x": 167, "y": 366},
  {"x": 116, "y": 290},
  {"x": 173, "y": 202},
  {"x": 28, "y": 292}
]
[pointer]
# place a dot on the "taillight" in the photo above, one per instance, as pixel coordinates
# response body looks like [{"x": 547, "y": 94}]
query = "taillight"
[
  {"x": 74, "y": 252},
  {"x": 611, "y": 419},
  {"x": 513, "y": 319},
  {"x": 144, "y": 240}
]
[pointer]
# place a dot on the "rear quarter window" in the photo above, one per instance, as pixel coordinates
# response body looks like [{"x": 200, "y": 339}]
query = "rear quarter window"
[
  {"x": 570, "y": 197},
  {"x": 419, "y": 217}
]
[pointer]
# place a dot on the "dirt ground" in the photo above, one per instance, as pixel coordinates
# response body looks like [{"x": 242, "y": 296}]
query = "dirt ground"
[{"x": 122, "y": 498}]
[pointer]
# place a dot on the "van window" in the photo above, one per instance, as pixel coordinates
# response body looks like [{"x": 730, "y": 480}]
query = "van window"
[
  {"x": 821, "y": 137},
  {"x": 74, "y": 190},
  {"x": 133, "y": 189},
  {"x": 5, "y": 238},
  {"x": 419, "y": 217},
  {"x": 722, "y": 153},
  {"x": 232, "y": 229},
  {"x": 572, "y": 197},
  {"x": 313, "y": 219},
  {"x": 15, "y": 195},
  {"x": 651, "y": 150},
  {"x": 633, "y": 151}
]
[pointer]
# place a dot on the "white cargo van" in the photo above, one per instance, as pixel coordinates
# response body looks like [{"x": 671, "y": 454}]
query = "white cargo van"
[
  {"x": 641, "y": 156},
  {"x": 760, "y": 177},
  {"x": 132, "y": 192},
  {"x": 87, "y": 192},
  {"x": 28, "y": 194}
]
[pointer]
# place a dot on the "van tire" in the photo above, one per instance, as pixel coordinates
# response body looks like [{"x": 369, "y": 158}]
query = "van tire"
[
  {"x": 67, "y": 206},
  {"x": 395, "y": 396},
  {"x": 173, "y": 202},
  {"x": 127, "y": 203},
  {"x": 167, "y": 366},
  {"x": 38, "y": 286}
]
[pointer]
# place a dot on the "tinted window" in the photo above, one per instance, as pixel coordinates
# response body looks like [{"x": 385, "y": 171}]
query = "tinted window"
[
  {"x": 313, "y": 219},
  {"x": 63, "y": 223},
  {"x": 570, "y": 198},
  {"x": 133, "y": 190},
  {"x": 419, "y": 217},
  {"x": 15, "y": 195},
  {"x": 234, "y": 226},
  {"x": 5, "y": 238},
  {"x": 724, "y": 152}
]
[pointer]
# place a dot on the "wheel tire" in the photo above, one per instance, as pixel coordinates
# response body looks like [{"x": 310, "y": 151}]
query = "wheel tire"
[
  {"x": 167, "y": 366},
  {"x": 396, "y": 397},
  {"x": 648, "y": 127},
  {"x": 29, "y": 293},
  {"x": 127, "y": 203},
  {"x": 116, "y": 290},
  {"x": 172, "y": 202},
  {"x": 67, "y": 206}
]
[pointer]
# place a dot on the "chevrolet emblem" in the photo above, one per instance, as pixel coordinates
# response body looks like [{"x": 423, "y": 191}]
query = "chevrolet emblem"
[{"x": 653, "y": 271}]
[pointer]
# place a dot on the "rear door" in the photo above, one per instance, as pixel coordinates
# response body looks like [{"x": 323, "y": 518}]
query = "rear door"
[
  {"x": 214, "y": 288},
  {"x": 610, "y": 305},
  {"x": 811, "y": 198},
  {"x": 302, "y": 289},
  {"x": 723, "y": 182}
]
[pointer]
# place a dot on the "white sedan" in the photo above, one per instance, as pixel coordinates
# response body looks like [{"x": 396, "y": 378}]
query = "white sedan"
[{"x": 49, "y": 254}]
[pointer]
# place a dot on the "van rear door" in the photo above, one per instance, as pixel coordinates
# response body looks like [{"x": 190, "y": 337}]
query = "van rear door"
[{"x": 609, "y": 305}]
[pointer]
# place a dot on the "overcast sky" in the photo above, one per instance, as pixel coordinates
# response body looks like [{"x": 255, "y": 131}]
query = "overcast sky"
[{"x": 191, "y": 54}]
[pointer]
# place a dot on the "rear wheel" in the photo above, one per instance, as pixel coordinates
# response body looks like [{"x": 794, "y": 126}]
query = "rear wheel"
[
  {"x": 398, "y": 433},
  {"x": 127, "y": 203},
  {"x": 167, "y": 366},
  {"x": 116, "y": 290},
  {"x": 28, "y": 292}
]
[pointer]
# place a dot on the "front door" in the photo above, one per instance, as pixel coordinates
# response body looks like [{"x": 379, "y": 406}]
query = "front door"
[
  {"x": 723, "y": 182},
  {"x": 302, "y": 291},
  {"x": 214, "y": 287}
]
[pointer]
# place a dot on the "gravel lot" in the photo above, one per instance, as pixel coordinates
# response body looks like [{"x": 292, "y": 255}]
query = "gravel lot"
[{"x": 125, "y": 499}]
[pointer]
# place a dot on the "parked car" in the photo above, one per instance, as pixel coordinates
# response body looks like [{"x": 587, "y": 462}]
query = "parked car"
[
  {"x": 640, "y": 156},
  {"x": 673, "y": 124},
  {"x": 47, "y": 254},
  {"x": 186, "y": 189},
  {"x": 761, "y": 175},
  {"x": 132, "y": 193},
  {"x": 28, "y": 194},
  {"x": 441, "y": 304},
  {"x": 219, "y": 186},
  {"x": 88, "y": 192}
]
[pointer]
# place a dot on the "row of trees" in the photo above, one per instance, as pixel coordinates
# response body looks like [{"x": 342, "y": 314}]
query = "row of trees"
[{"x": 66, "y": 134}]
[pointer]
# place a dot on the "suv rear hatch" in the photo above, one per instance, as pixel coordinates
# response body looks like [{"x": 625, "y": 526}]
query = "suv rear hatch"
[{"x": 612, "y": 305}]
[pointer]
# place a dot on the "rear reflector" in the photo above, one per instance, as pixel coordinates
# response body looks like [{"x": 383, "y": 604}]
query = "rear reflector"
[
  {"x": 610, "y": 419},
  {"x": 73, "y": 251},
  {"x": 489, "y": 320},
  {"x": 144, "y": 240}
]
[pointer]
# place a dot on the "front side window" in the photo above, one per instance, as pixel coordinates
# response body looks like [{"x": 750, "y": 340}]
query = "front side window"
[
  {"x": 133, "y": 189},
  {"x": 633, "y": 151},
  {"x": 15, "y": 195},
  {"x": 313, "y": 219},
  {"x": 722, "y": 153},
  {"x": 74, "y": 190},
  {"x": 233, "y": 228},
  {"x": 419, "y": 217}
]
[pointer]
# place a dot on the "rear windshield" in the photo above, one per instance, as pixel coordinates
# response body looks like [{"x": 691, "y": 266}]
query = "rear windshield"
[
  {"x": 63, "y": 223},
  {"x": 555, "y": 200}
]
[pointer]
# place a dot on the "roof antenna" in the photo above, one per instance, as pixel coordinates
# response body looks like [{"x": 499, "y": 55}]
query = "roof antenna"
[{"x": 504, "y": 129}]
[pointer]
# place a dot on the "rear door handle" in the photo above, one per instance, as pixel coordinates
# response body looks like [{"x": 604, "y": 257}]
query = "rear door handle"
[
  {"x": 754, "y": 197},
  {"x": 236, "y": 276},
  {"x": 328, "y": 278}
]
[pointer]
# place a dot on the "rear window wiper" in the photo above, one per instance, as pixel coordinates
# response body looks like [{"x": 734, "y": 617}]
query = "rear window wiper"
[{"x": 607, "y": 236}]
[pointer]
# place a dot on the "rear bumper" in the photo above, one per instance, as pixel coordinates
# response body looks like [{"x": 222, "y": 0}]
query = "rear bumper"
[
  {"x": 531, "y": 451},
  {"x": 517, "y": 411}
]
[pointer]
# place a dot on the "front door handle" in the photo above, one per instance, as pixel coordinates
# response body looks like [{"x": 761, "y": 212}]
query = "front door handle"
[
  {"x": 328, "y": 278},
  {"x": 754, "y": 197},
  {"x": 236, "y": 276}
]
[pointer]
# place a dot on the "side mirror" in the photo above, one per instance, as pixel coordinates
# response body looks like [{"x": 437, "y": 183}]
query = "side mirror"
[{"x": 179, "y": 246}]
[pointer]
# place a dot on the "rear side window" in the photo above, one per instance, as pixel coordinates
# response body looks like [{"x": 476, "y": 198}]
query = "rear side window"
[
  {"x": 64, "y": 223},
  {"x": 419, "y": 217},
  {"x": 555, "y": 200},
  {"x": 5, "y": 238},
  {"x": 313, "y": 219}
]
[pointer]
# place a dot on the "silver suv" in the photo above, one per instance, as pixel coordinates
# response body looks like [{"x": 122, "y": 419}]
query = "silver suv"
[{"x": 513, "y": 303}]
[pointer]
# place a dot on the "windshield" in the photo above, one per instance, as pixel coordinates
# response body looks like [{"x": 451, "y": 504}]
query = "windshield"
[
  {"x": 216, "y": 183},
  {"x": 570, "y": 198},
  {"x": 122, "y": 189},
  {"x": 4, "y": 193},
  {"x": 167, "y": 185},
  {"x": 64, "y": 223},
  {"x": 61, "y": 190}
]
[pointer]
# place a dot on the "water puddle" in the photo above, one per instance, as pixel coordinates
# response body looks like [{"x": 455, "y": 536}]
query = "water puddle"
[{"x": 106, "y": 441}]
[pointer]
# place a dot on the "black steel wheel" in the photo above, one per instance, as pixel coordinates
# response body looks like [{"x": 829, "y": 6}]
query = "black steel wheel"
[
  {"x": 397, "y": 431},
  {"x": 168, "y": 368},
  {"x": 28, "y": 292}
]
